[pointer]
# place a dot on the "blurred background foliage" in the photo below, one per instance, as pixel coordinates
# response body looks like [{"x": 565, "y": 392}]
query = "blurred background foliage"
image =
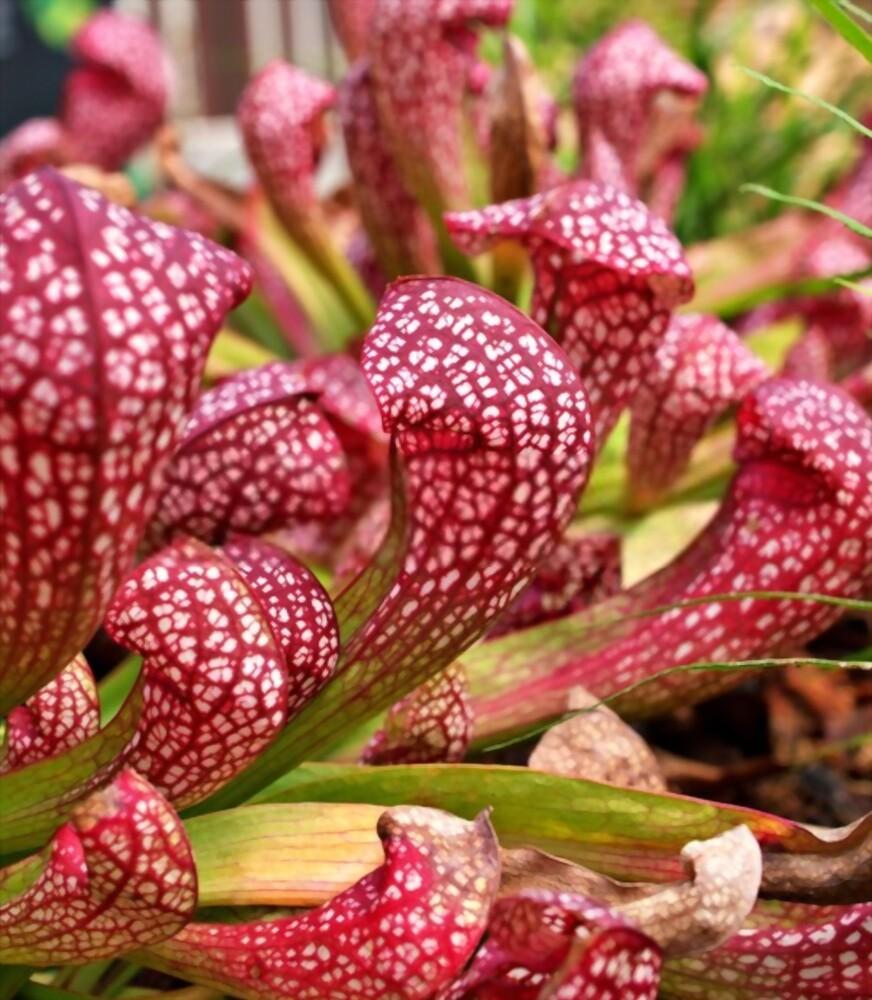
[{"x": 752, "y": 133}]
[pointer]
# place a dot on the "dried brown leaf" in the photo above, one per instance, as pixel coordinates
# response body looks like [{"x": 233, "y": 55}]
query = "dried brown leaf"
[{"x": 597, "y": 744}]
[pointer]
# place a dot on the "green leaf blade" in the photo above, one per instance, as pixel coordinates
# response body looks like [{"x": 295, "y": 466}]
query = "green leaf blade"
[
  {"x": 819, "y": 101},
  {"x": 815, "y": 206}
]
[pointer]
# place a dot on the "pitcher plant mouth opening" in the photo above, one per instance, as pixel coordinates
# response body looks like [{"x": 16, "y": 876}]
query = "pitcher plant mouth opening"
[{"x": 437, "y": 554}]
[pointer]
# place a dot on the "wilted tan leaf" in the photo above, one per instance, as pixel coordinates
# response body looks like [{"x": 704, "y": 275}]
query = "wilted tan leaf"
[
  {"x": 845, "y": 877},
  {"x": 694, "y": 916},
  {"x": 526, "y": 868},
  {"x": 517, "y": 137},
  {"x": 683, "y": 918},
  {"x": 597, "y": 744}
]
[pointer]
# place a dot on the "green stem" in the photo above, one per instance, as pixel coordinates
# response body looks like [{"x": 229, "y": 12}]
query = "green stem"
[
  {"x": 819, "y": 101},
  {"x": 117, "y": 685},
  {"x": 119, "y": 977},
  {"x": 38, "y": 991},
  {"x": 254, "y": 318},
  {"x": 83, "y": 978},
  {"x": 350, "y": 289},
  {"x": 815, "y": 206}
]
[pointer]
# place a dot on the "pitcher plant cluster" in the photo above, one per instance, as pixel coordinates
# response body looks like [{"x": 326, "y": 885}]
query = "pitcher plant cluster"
[{"x": 335, "y": 574}]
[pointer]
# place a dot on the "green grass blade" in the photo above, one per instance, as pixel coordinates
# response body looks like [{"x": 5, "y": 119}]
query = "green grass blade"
[
  {"x": 852, "y": 8},
  {"x": 819, "y": 101},
  {"x": 805, "y": 287},
  {"x": 853, "y": 224},
  {"x": 496, "y": 669},
  {"x": 854, "y": 286},
  {"x": 840, "y": 21},
  {"x": 605, "y": 624},
  {"x": 720, "y": 666}
]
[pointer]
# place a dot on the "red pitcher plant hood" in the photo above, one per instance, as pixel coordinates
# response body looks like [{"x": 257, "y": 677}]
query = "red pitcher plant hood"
[
  {"x": 280, "y": 116},
  {"x": 404, "y": 931},
  {"x": 420, "y": 53},
  {"x": 257, "y": 454},
  {"x": 351, "y": 20},
  {"x": 63, "y": 714},
  {"x": 119, "y": 875},
  {"x": 701, "y": 368},
  {"x": 35, "y": 143},
  {"x": 835, "y": 343},
  {"x": 113, "y": 101},
  {"x": 492, "y": 427},
  {"x": 398, "y": 228},
  {"x": 234, "y": 643},
  {"x": 634, "y": 98},
  {"x": 107, "y": 318},
  {"x": 608, "y": 274},
  {"x": 116, "y": 97},
  {"x": 832, "y": 248}
]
